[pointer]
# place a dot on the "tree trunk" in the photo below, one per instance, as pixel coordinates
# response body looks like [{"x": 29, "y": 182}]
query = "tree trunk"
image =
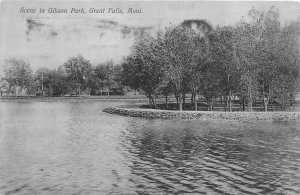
[
  {"x": 249, "y": 100},
  {"x": 154, "y": 102},
  {"x": 42, "y": 84},
  {"x": 180, "y": 105},
  {"x": 107, "y": 91},
  {"x": 166, "y": 101},
  {"x": 192, "y": 99},
  {"x": 225, "y": 102},
  {"x": 250, "y": 109},
  {"x": 208, "y": 105},
  {"x": 229, "y": 100},
  {"x": 150, "y": 104},
  {"x": 272, "y": 107},
  {"x": 15, "y": 91},
  {"x": 195, "y": 102},
  {"x": 243, "y": 104},
  {"x": 179, "y": 100},
  {"x": 266, "y": 101},
  {"x": 227, "y": 105},
  {"x": 183, "y": 100}
]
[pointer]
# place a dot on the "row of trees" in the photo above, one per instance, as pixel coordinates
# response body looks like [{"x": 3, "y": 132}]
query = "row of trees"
[
  {"x": 75, "y": 76},
  {"x": 257, "y": 59},
  {"x": 252, "y": 60}
]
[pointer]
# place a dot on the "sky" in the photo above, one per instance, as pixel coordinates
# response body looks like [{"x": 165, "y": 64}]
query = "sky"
[{"x": 50, "y": 39}]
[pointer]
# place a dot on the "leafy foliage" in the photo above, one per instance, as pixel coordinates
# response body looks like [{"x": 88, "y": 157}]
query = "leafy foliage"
[
  {"x": 18, "y": 73},
  {"x": 78, "y": 70}
]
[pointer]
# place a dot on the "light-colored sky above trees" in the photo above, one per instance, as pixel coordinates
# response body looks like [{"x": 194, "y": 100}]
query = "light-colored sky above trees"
[{"x": 48, "y": 40}]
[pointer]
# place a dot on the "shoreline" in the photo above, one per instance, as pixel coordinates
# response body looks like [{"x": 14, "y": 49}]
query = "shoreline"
[
  {"x": 202, "y": 115},
  {"x": 70, "y": 98},
  {"x": 134, "y": 110}
]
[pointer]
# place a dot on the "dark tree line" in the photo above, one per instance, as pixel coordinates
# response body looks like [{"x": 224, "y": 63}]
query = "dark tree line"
[
  {"x": 75, "y": 76},
  {"x": 252, "y": 60}
]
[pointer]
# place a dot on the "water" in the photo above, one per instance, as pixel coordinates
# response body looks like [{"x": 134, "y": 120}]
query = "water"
[{"x": 72, "y": 147}]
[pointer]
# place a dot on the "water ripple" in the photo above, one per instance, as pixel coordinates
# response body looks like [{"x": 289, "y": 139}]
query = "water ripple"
[{"x": 75, "y": 148}]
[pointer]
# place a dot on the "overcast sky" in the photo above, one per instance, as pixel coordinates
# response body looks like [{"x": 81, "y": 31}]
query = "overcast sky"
[{"x": 48, "y": 40}]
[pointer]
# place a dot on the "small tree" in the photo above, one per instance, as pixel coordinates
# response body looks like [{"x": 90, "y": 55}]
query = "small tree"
[
  {"x": 104, "y": 76},
  {"x": 212, "y": 83},
  {"x": 18, "y": 73},
  {"x": 77, "y": 70},
  {"x": 43, "y": 78},
  {"x": 143, "y": 69},
  {"x": 58, "y": 81}
]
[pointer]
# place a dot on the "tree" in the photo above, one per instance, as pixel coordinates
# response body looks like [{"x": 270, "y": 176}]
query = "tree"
[
  {"x": 18, "y": 73},
  {"x": 43, "y": 80},
  {"x": 4, "y": 85},
  {"x": 266, "y": 27},
  {"x": 199, "y": 55},
  {"x": 59, "y": 81},
  {"x": 51, "y": 82},
  {"x": 143, "y": 69},
  {"x": 255, "y": 59},
  {"x": 180, "y": 54},
  {"x": 287, "y": 67},
  {"x": 245, "y": 56},
  {"x": 222, "y": 53},
  {"x": 166, "y": 90},
  {"x": 212, "y": 83},
  {"x": 77, "y": 70},
  {"x": 117, "y": 79},
  {"x": 268, "y": 56},
  {"x": 103, "y": 75}
]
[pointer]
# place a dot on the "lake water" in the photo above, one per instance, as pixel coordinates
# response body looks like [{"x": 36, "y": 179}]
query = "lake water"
[{"x": 72, "y": 147}]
